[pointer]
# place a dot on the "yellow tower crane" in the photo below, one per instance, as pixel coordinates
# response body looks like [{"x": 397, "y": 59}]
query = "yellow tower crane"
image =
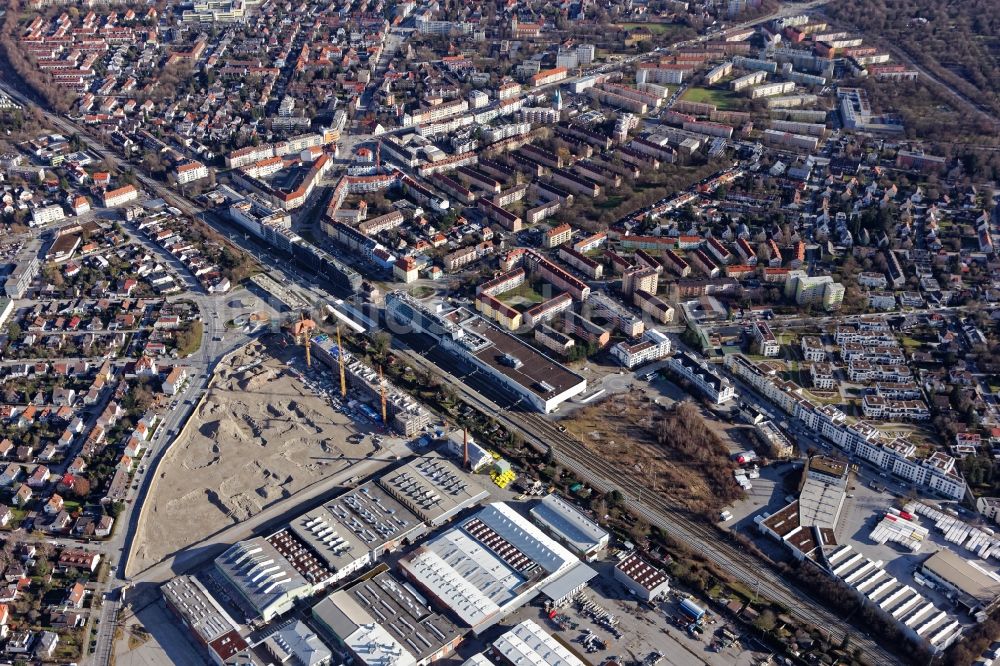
[
  {"x": 306, "y": 341},
  {"x": 381, "y": 384},
  {"x": 340, "y": 357}
]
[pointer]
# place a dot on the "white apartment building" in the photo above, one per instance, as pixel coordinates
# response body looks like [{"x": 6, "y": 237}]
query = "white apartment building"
[
  {"x": 813, "y": 349},
  {"x": 764, "y": 339},
  {"x": 937, "y": 472},
  {"x": 190, "y": 172},
  {"x": 653, "y": 346},
  {"x": 716, "y": 388},
  {"x": 47, "y": 215}
]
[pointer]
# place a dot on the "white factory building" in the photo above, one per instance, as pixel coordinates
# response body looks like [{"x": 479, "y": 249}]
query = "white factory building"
[
  {"x": 526, "y": 644},
  {"x": 574, "y": 530},
  {"x": 488, "y": 566}
]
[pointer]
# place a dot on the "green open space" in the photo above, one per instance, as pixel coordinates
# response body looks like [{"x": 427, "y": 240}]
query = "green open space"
[
  {"x": 611, "y": 201},
  {"x": 724, "y": 100},
  {"x": 655, "y": 28},
  {"x": 527, "y": 293},
  {"x": 189, "y": 341}
]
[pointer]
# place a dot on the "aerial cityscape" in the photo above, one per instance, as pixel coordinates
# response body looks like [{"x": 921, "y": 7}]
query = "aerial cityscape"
[{"x": 580, "y": 333}]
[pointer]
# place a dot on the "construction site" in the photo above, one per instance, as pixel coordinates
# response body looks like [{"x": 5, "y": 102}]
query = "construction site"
[{"x": 264, "y": 430}]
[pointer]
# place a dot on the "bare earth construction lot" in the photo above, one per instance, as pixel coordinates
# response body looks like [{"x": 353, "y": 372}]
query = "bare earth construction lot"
[{"x": 260, "y": 435}]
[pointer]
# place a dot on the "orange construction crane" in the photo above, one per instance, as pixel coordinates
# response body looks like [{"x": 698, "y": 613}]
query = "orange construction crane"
[
  {"x": 340, "y": 357},
  {"x": 306, "y": 340},
  {"x": 381, "y": 384}
]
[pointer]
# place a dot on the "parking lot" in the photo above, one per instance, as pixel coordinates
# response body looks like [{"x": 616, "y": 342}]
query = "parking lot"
[
  {"x": 859, "y": 517},
  {"x": 644, "y": 629},
  {"x": 869, "y": 495},
  {"x": 766, "y": 496}
]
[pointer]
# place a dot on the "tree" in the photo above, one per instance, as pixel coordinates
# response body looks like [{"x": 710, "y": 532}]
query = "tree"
[
  {"x": 766, "y": 621},
  {"x": 380, "y": 344},
  {"x": 42, "y": 567},
  {"x": 81, "y": 488}
]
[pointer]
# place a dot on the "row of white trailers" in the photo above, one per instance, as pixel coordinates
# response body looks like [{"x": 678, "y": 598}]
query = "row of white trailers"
[
  {"x": 902, "y": 602},
  {"x": 897, "y": 527},
  {"x": 980, "y": 541}
]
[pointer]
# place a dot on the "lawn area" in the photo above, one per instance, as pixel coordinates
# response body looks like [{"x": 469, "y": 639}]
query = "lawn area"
[
  {"x": 189, "y": 341},
  {"x": 612, "y": 201},
  {"x": 525, "y": 293},
  {"x": 655, "y": 28},
  {"x": 910, "y": 343},
  {"x": 721, "y": 98}
]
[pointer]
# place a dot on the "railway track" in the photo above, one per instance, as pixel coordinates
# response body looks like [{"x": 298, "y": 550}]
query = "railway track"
[{"x": 652, "y": 507}]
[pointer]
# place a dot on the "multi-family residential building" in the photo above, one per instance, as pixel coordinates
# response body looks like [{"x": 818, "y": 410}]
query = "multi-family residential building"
[
  {"x": 882, "y": 300},
  {"x": 813, "y": 349},
  {"x": 190, "y": 172},
  {"x": 553, "y": 340},
  {"x": 47, "y": 214},
  {"x": 661, "y": 311},
  {"x": 880, "y": 407},
  {"x": 872, "y": 280},
  {"x": 547, "y": 76},
  {"x": 764, "y": 339},
  {"x": 652, "y": 347},
  {"x": 557, "y": 235},
  {"x": 640, "y": 279},
  {"x": 493, "y": 308},
  {"x": 586, "y": 330},
  {"x": 778, "y": 444},
  {"x": 821, "y": 375},
  {"x": 713, "y": 385},
  {"x": 120, "y": 196},
  {"x": 937, "y": 472}
]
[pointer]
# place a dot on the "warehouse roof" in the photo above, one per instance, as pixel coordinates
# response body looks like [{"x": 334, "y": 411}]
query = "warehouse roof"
[
  {"x": 567, "y": 523},
  {"x": 381, "y": 618},
  {"x": 432, "y": 487},
  {"x": 488, "y": 562},
  {"x": 528, "y": 644},
  {"x": 965, "y": 576}
]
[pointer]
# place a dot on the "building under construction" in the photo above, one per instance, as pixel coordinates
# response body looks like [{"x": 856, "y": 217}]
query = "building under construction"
[{"x": 401, "y": 412}]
